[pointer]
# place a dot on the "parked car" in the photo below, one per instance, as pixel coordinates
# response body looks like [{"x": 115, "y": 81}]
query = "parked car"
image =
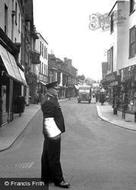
[{"x": 84, "y": 93}]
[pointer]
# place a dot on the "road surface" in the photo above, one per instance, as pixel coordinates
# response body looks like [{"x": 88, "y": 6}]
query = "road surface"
[{"x": 95, "y": 155}]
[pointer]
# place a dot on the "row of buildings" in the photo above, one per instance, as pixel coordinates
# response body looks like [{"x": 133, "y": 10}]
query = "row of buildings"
[
  {"x": 119, "y": 71},
  {"x": 65, "y": 73},
  {"x": 25, "y": 65}
]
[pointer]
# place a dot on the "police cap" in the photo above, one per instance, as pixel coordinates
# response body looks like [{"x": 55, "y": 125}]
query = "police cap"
[{"x": 52, "y": 84}]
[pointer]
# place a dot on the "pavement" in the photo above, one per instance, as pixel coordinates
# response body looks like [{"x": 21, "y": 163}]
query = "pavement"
[
  {"x": 105, "y": 112},
  {"x": 11, "y": 131}
]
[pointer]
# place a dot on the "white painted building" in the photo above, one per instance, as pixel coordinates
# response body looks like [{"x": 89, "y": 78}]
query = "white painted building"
[
  {"x": 11, "y": 23},
  {"x": 12, "y": 78},
  {"x": 118, "y": 52},
  {"x": 42, "y": 68},
  {"x": 132, "y": 33},
  {"x": 121, "y": 55}
]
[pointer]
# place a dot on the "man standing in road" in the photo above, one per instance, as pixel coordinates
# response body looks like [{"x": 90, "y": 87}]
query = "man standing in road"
[{"x": 51, "y": 170}]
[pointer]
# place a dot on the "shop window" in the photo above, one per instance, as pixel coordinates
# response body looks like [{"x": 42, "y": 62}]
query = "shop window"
[{"x": 132, "y": 42}]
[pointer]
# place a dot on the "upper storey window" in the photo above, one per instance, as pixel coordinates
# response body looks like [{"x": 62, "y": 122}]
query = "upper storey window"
[
  {"x": 132, "y": 6},
  {"x": 6, "y": 19},
  {"x": 132, "y": 42}
]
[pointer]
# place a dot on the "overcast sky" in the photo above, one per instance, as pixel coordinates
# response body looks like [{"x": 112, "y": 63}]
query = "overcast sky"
[{"x": 65, "y": 26}]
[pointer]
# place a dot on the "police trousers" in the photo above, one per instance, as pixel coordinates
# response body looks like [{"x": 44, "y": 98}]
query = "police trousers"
[{"x": 50, "y": 161}]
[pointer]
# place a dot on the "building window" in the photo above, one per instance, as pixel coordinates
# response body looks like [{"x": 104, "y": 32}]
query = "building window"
[
  {"x": 41, "y": 67},
  {"x": 45, "y": 52},
  {"x": 132, "y": 42},
  {"x": 12, "y": 28},
  {"x": 6, "y": 19},
  {"x": 44, "y": 69},
  {"x": 112, "y": 23},
  {"x": 40, "y": 48},
  {"x": 16, "y": 13},
  {"x": 132, "y": 6},
  {"x": 19, "y": 22}
]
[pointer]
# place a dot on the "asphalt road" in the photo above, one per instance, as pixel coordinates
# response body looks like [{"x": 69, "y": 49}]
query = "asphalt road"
[{"x": 96, "y": 155}]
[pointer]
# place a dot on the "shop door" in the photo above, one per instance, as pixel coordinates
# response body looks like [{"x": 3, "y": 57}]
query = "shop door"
[{"x": 4, "y": 102}]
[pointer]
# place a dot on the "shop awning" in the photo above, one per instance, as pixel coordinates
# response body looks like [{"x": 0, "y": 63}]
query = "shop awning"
[
  {"x": 10, "y": 64},
  {"x": 76, "y": 86},
  {"x": 14, "y": 67},
  {"x": 43, "y": 83},
  {"x": 6, "y": 61},
  {"x": 23, "y": 77}
]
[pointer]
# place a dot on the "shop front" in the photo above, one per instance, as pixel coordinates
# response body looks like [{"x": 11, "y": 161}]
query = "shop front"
[
  {"x": 128, "y": 88},
  {"x": 11, "y": 84},
  {"x": 111, "y": 84},
  {"x": 61, "y": 91}
]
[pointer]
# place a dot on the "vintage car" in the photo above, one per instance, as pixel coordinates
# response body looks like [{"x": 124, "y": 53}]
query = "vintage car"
[{"x": 84, "y": 94}]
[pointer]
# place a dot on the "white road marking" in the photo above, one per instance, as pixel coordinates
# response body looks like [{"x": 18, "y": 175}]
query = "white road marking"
[{"x": 24, "y": 165}]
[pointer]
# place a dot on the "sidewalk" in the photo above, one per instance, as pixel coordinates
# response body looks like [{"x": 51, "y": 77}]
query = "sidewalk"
[
  {"x": 11, "y": 131},
  {"x": 105, "y": 112}
]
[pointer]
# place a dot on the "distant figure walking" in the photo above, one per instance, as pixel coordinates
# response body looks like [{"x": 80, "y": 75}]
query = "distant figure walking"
[{"x": 102, "y": 96}]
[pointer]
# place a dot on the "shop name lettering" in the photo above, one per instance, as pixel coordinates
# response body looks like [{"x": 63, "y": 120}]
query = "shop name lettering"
[
  {"x": 103, "y": 21},
  {"x": 110, "y": 78}
]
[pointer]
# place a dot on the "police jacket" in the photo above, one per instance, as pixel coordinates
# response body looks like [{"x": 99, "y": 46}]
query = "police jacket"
[{"x": 51, "y": 108}]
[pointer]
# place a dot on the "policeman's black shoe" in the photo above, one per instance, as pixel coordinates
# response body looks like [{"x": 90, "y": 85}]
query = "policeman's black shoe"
[{"x": 63, "y": 184}]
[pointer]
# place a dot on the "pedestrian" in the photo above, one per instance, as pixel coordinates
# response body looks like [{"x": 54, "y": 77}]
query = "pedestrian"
[
  {"x": 51, "y": 170},
  {"x": 102, "y": 96}
]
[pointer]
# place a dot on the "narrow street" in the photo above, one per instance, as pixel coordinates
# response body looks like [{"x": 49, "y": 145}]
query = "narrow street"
[
  {"x": 76, "y": 51},
  {"x": 95, "y": 154}
]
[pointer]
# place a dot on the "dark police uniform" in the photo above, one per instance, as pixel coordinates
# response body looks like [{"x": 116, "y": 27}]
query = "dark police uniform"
[{"x": 50, "y": 161}]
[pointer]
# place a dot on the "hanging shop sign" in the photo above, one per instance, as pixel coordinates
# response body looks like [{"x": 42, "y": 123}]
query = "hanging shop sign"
[
  {"x": 114, "y": 83},
  {"x": 111, "y": 79},
  {"x": 128, "y": 73}
]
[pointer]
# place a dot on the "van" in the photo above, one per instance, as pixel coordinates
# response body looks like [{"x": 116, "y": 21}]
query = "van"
[{"x": 84, "y": 93}]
